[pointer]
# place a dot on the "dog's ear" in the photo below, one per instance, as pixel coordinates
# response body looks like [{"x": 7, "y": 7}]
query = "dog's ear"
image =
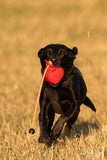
[
  {"x": 40, "y": 52},
  {"x": 75, "y": 50}
]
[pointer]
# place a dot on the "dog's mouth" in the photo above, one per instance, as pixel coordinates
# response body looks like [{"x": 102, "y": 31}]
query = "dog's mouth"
[{"x": 54, "y": 74}]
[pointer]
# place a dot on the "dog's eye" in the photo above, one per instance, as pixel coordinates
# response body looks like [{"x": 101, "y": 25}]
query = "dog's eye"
[
  {"x": 48, "y": 52},
  {"x": 61, "y": 52}
]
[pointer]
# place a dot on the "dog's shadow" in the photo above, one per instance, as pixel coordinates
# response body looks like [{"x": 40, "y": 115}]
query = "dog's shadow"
[
  {"x": 84, "y": 128},
  {"x": 80, "y": 129}
]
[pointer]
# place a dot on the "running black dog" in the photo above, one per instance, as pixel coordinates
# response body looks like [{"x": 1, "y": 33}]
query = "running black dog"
[{"x": 63, "y": 98}]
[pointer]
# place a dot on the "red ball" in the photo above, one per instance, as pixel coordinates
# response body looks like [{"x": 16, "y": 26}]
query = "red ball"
[{"x": 54, "y": 74}]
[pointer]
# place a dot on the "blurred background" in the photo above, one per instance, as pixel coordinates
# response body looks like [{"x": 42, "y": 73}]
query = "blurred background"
[{"x": 25, "y": 27}]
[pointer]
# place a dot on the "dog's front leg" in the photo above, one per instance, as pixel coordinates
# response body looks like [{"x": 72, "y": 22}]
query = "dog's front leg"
[
  {"x": 55, "y": 132},
  {"x": 43, "y": 123}
]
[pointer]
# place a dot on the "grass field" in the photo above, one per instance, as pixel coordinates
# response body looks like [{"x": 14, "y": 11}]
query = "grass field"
[{"x": 25, "y": 27}]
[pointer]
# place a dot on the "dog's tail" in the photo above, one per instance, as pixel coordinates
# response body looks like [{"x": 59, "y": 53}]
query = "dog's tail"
[{"x": 88, "y": 103}]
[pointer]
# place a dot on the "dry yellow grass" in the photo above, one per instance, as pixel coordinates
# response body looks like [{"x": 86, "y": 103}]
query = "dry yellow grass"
[{"x": 25, "y": 27}]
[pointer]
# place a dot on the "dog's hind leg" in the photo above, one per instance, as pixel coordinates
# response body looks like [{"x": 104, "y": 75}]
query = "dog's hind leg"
[{"x": 67, "y": 129}]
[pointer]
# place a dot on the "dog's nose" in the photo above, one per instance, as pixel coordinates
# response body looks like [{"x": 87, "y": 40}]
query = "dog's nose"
[{"x": 54, "y": 60}]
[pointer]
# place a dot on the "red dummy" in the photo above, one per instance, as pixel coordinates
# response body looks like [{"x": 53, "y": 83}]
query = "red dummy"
[{"x": 54, "y": 74}]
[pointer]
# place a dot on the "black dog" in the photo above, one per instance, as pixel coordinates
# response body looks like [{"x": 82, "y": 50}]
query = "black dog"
[{"x": 64, "y": 98}]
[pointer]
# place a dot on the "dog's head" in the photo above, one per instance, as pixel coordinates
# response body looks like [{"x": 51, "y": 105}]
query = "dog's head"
[{"x": 59, "y": 55}]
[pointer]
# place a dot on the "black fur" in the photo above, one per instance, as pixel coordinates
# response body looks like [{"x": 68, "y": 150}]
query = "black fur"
[{"x": 64, "y": 98}]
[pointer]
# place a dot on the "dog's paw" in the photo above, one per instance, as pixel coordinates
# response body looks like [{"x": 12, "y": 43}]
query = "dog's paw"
[
  {"x": 45, "y": 140},
  {"x": 53, "y": 136}
]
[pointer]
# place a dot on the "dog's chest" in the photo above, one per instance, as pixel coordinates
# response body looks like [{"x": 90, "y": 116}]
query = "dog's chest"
[
  {"x": 57, "y": 97},
  {"x": 53, "y": 96},
  {"x": 57, "y": 107}
]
